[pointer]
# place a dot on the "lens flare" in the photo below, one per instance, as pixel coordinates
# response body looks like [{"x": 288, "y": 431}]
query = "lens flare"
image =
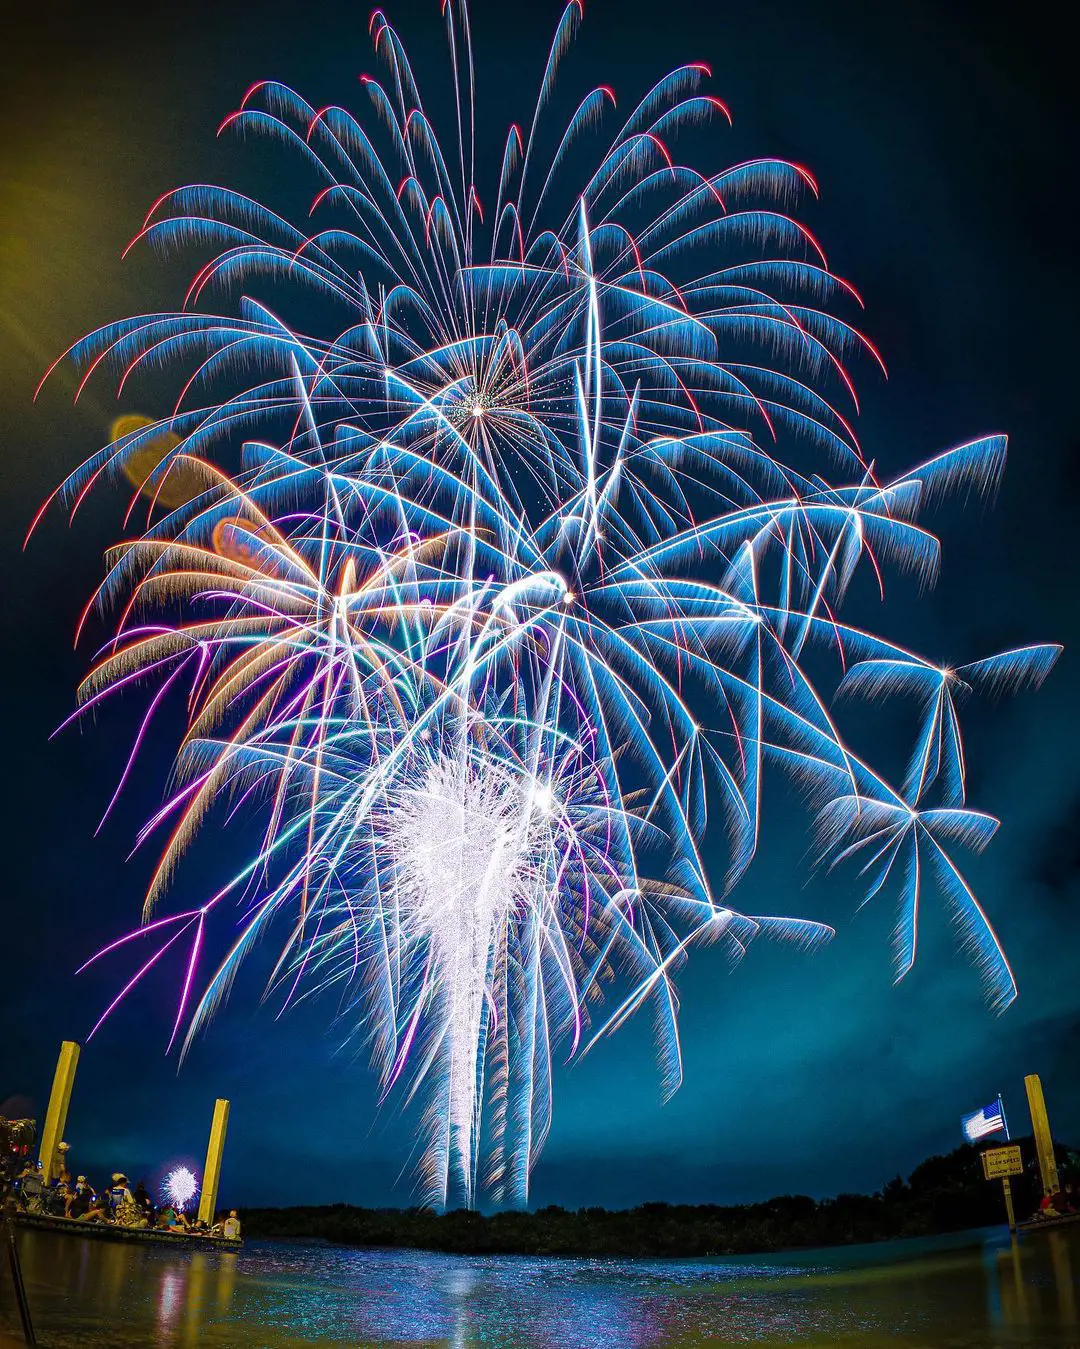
[{"x": 173, "y": 487}]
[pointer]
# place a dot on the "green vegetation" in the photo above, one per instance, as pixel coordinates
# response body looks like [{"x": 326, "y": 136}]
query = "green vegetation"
[{"x": 942, "y": 1194}]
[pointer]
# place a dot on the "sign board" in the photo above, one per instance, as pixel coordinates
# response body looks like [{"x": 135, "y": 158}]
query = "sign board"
[{"x": 1002, "y": 1162}]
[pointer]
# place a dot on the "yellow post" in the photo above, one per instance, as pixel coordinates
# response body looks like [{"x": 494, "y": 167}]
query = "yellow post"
[
  {"x": 56, "y": 1116},
  {"x": 1040, "y": 1124},
  {"x": 212, "y": 1171}
]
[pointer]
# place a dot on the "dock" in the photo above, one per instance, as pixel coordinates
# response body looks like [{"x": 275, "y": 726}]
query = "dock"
[{"x": 153, "y": 1236}]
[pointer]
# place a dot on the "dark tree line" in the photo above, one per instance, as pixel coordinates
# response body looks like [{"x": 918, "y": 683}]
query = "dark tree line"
[{"x": 943, "y": 1194}]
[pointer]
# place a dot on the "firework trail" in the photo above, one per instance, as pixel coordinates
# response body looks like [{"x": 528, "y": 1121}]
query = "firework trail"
[{"x": 498, "y": 592}]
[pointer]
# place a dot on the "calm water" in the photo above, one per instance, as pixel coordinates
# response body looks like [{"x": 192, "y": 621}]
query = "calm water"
[{"x": 968, "y": 1292}]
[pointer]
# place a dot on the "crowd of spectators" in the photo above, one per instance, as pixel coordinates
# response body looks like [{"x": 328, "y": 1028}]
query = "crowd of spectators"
[{"x": 117, "y": 1204}]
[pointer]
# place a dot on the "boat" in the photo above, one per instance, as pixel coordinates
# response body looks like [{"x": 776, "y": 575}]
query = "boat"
[
  {"x": 1044, "y": 1224},
  {"x": 153, "y": 1236}
]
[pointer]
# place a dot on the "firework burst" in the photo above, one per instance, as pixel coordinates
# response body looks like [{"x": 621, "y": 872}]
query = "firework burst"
[
  {"x": 180, "y": 1187},
  {"x": 534, "y": 560}
]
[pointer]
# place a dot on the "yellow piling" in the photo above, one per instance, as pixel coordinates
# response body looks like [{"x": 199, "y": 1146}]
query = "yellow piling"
[
  {"x": 59, "y": 1100},
  {"x": 1040, "y": 1124},
  {"x": 212, "y": 1171}
]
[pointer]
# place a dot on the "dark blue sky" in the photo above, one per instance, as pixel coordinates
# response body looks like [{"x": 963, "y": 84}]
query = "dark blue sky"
[{"x": 939, "y": 137}]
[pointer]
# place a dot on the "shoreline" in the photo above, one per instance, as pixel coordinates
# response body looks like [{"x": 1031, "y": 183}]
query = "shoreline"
[
  {"x": 570, "y": 1253},
  {"x": 943, "y": 1195}
]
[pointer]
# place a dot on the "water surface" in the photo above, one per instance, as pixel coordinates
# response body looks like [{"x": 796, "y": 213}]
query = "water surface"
[{"x": 971, "y": 1291}]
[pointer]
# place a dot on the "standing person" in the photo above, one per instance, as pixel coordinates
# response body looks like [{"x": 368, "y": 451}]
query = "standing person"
[{"x": 230, "y": 1228}]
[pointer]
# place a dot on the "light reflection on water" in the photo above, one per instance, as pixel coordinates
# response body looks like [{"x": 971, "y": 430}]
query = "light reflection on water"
[{"x": 966, "y": 1292}]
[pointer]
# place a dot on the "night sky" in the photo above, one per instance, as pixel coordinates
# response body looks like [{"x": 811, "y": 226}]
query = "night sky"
[{"x": 939, "y": 136}]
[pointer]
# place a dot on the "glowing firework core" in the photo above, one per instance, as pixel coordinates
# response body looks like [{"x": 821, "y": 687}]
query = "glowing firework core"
[
  {"x": 471, "y": 855},
  {"x": 180, "y": 1187}
]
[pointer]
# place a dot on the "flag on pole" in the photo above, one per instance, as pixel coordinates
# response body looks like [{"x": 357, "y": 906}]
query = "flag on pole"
[{"x": 981, "y": 1123}]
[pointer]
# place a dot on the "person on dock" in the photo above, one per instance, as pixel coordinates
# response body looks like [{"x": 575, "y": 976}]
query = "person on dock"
[
  {"x": 79, "y": 1199},
  {"x": 31, "y": 1189},
  {"x": 230, "y": 1228},
  {"x": 58, "y": 1195},
  {"x": 144, "y": 1204},
  {"x": 122, "y": 1201},
  {"x": 1052, "y": 1205},
  {"x": 171, "y": 1220},
  {"x": 98, "y": 1210}
]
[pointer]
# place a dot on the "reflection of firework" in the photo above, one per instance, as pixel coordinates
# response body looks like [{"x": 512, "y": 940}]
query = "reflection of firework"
[
  {"x": 530, "y": 568},
  {"x": 180, "y": 1187}
]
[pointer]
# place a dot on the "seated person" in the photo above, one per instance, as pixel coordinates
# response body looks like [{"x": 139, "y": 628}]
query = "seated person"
[
  {"x": 57, "y": 1198},
  {"x": 171, "y": 1220},
  {"x": 122, "y": 1202},
  {"x": 31, "y": 1189},
  {"x": 98, "y": 1210},
  {"x": 144, "y": 1205},
  {"x": 1051, "y": 1206},
  {"x": 230, "y": 1228},
  {"x": 79, "y": 1199}
]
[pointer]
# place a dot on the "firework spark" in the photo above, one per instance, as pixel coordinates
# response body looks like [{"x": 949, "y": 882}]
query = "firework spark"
[{"x": 533, "y": 563}]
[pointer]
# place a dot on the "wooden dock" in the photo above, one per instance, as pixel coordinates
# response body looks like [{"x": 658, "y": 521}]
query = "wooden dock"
[
  {"x": 1045, "y": 1224},
  {"x": 154, "y": 1236}
]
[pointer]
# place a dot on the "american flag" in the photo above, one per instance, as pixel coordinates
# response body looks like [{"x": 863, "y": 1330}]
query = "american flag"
[{"x": 989, "y": 1120}]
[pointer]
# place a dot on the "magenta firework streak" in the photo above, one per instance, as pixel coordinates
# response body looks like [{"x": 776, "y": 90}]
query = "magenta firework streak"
[{"x": 498, "y": 537}]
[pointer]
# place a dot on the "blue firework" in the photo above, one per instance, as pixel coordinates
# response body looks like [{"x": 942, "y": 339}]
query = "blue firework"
[{"x": 497, "y": 581}]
